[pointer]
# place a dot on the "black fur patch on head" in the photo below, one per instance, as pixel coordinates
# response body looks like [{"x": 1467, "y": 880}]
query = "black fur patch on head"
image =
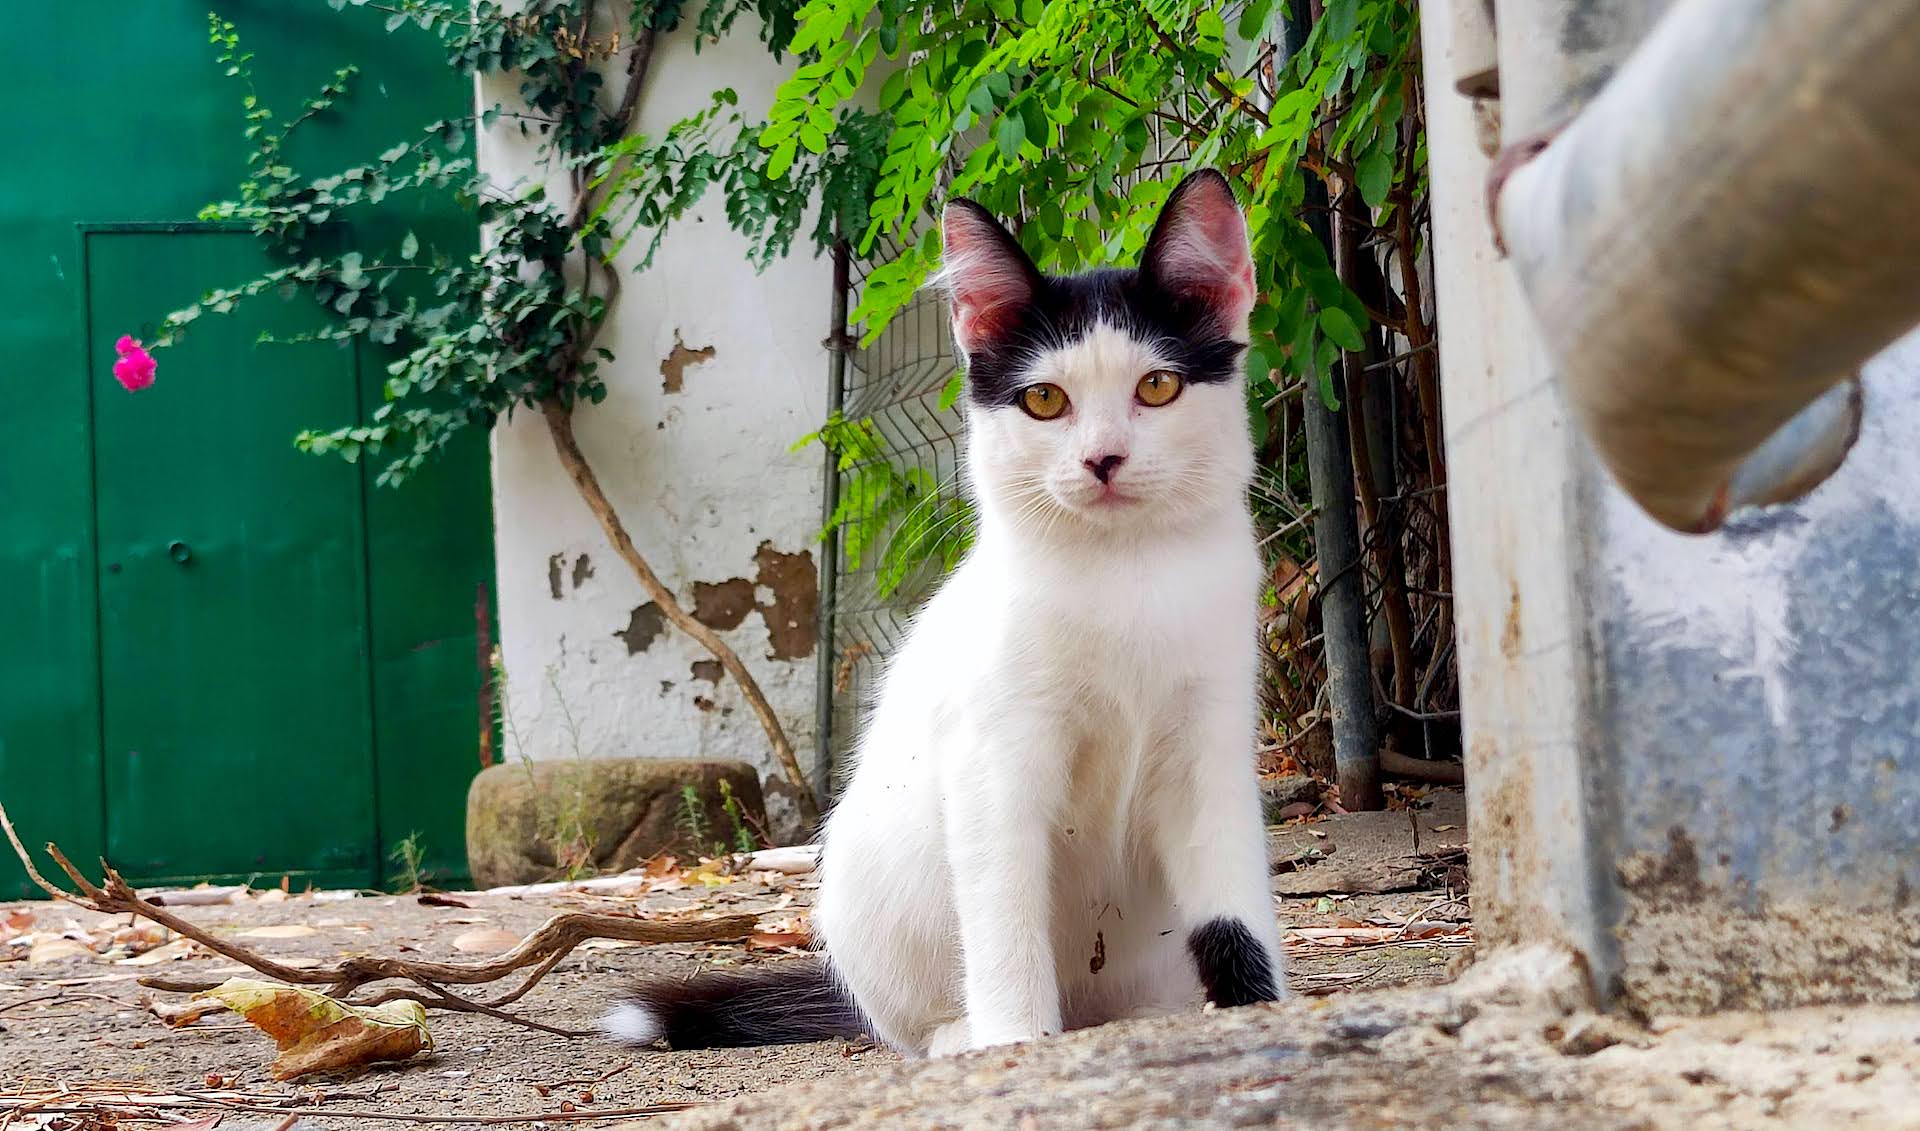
[
  {"x": 1234, "y": 967},
  {"x": 1067, "y": 307},
  {"x": 1188, "y": 296}
]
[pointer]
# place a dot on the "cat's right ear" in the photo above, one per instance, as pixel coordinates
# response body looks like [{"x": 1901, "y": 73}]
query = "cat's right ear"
[{"x": 987, "y": 276}]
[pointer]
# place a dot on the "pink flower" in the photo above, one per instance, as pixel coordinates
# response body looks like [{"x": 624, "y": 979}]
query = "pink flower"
[{"x": 135, "y": 368}]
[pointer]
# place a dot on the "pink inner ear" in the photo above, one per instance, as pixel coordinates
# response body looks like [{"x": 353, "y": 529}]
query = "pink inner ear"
[
  {"x": 986, "y": 277},
  {"x": 1201, "y": 249}
]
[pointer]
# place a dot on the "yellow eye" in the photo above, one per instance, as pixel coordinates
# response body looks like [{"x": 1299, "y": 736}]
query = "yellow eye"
[
  {"x": 1158, "y": 388},
  {"x": 1043, "y": 402}
]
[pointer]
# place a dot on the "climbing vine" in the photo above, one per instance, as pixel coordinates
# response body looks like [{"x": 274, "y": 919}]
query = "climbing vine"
[{"x": 515, "y": 326}]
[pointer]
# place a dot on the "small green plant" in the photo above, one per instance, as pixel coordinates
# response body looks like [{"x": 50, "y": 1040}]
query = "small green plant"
[
  {"x": 693, "y": 821},
  {"x": 561, "y": 814},
  {"x": 406, "y": 858},
  {"x": 744, "y": 839}
]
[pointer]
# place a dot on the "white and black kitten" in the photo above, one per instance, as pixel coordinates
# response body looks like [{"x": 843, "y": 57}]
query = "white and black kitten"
[{"x": 1054, "y": 821}]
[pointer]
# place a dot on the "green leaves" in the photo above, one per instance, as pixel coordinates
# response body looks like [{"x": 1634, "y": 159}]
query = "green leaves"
[
  {"x": 950, "y": 393},
  {"x": 1008, "y": 134},
  {"x": 1074, "y": 118},
  {"x": 919, "y": 530},
  {"x": 1374, "y": 175},
  {"x": 1339, "y": 327}
]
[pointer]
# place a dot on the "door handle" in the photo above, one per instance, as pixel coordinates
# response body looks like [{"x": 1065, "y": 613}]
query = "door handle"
[{"x": 180, "y": 552}]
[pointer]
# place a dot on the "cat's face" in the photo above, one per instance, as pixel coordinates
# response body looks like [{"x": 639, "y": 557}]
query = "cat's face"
[{"x": 1112, "y": 398}]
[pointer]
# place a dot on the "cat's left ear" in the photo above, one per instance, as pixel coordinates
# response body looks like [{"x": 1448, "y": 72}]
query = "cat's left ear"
[{"x": 1199, "y": 252}]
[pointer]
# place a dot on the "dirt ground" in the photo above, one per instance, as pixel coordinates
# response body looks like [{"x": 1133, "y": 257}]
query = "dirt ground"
[{"x": 75, "y": 1017}]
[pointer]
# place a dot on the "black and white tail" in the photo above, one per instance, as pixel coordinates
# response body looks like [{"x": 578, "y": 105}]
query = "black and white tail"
[{"x": 781, "y": 1003}]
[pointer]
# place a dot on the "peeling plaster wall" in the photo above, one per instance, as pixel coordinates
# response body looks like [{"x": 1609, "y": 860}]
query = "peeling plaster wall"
[{"x": 719, "y": 370}]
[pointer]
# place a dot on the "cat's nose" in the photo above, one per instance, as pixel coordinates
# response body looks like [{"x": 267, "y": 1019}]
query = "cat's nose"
[{"x": 1103, "y": 466}]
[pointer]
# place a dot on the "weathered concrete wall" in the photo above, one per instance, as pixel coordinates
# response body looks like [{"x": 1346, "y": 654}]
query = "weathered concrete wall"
[
  {"x": 1695, "y": 760},
  {"x": 720, "y": 369},
  {"x": 1760, "y": 700}
]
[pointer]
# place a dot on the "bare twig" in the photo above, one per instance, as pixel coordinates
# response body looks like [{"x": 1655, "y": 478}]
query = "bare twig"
[
  {"x": 1396, "y": 764},
  {"x": 542, "y": 950},
  {"x": 26, "y": 861}
]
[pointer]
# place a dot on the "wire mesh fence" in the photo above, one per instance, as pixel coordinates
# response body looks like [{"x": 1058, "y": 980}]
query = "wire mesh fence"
[
  {"x": 900, "y": 495},
  {"x": 905, "y": 519}
]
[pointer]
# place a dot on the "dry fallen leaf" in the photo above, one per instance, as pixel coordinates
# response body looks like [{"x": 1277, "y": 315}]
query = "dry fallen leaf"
[
  {"x": 494, "y": 941},
  {"x": 185, "y": 1013},
  {"x": 15, "y": 922},
  {"x": 318, "y": 1034},
  {"x": 781, "y": 934},
  {"x": 279, "y": 931},
  {"x": 57, "y": 949},
  {"x": 139, "y": 936},
  {"x": 169, "y": 952}
]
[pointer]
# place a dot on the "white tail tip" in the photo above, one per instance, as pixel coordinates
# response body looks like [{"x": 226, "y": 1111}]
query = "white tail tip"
[{"x": 632, "y": 1024}]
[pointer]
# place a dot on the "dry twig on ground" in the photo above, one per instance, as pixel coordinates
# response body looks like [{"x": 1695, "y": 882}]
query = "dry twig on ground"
[{"x": 542, "y": 950}]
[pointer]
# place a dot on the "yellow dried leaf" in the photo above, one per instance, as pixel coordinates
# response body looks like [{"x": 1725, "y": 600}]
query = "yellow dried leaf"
[{"x": 318, "y": 1034}]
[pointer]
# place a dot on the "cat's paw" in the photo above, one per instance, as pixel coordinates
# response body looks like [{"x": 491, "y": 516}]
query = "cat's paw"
[
  {"x": 988, "y": 1038},
  {"x": 951, "y": 1038}
]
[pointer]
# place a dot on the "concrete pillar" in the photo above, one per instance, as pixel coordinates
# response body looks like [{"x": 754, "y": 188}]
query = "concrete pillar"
[{"x": 1695, "y": 760}]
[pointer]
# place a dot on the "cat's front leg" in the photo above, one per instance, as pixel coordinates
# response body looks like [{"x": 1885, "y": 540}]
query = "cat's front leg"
[
  {"x": 1211, "y": 836},
  {"x": 1002, "y": 798}
]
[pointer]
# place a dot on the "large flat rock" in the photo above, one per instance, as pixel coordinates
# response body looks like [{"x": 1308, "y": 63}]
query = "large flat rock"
[{"x": 528, "y": 822}]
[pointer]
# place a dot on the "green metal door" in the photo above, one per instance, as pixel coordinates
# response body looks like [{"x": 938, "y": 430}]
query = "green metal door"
[
  {"x": 232, "y": 574},
  {"x": 302, "y": 694}
]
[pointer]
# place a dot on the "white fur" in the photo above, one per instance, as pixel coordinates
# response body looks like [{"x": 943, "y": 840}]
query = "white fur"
[
  {"x": 632, "y": 1023},
  {"x": 1061, "y": 757}
]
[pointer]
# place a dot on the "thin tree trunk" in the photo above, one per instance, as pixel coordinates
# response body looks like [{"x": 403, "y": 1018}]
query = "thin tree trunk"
[
  {"x": 560, "y": 424},
  {"x": 1356, "y": 747},
  {"x": 1358, "y": 271}
]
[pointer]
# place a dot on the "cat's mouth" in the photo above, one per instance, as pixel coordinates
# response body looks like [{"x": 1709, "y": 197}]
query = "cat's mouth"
[{"x": 1108, "y": 496}]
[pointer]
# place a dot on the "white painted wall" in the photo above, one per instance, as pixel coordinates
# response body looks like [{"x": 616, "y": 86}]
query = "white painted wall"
[{"x": 703, "y": 477}]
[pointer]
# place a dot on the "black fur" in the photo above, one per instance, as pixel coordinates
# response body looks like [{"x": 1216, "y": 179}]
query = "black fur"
[
  {"x": 780, "y": 1003},
  {"x": 1064, "y": 307},
  {"x": 1234, "y": 967}
]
